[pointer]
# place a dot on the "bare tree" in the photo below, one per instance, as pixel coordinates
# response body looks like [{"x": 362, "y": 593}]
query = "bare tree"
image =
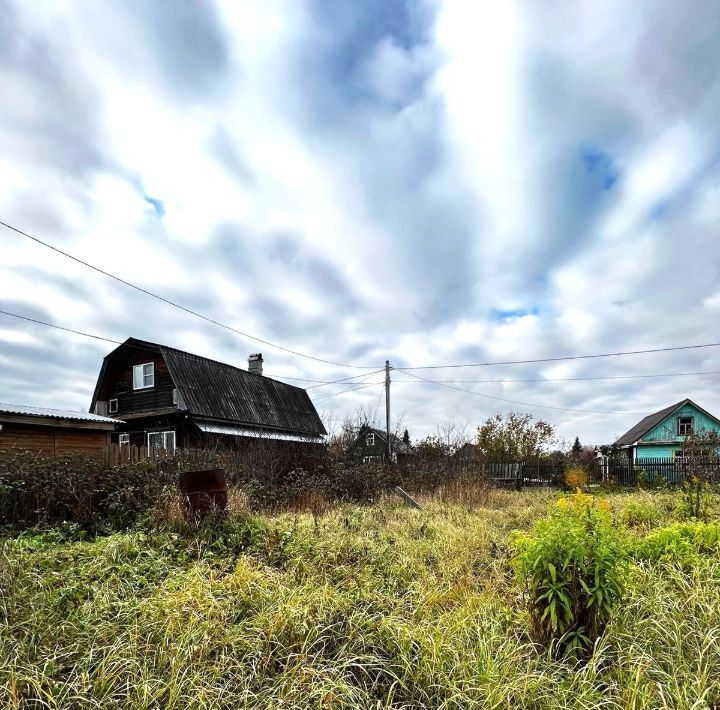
[
  {"x": 700, "y": 458},
  {"x": 453, "y": 433}
]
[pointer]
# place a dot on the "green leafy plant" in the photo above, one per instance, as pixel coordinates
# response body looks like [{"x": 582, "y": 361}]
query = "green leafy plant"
[
  {"x": 683, "y": 543},
  {"x": 572, "y": 566}
]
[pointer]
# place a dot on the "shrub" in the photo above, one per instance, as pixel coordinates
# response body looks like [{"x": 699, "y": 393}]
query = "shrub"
[
  {"x": 76, "y": 489},
  {"x": 682, "y": 543},
  {"x": 575, "y": 477},
  {"x": 650, "y": 480},
  {"x": 696, "y": 497},
  {"x": 572, "y": 565}
]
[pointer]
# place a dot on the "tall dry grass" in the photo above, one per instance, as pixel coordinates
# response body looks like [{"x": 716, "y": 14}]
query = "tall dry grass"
[{"x": 347, "y": 607}]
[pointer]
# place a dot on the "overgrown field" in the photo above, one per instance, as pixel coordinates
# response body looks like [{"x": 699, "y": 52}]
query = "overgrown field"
[{"x": 356, "y": 607}]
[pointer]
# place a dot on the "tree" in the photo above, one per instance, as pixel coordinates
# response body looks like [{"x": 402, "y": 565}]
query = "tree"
[
  {"x": 576, "y": 448},
  {"x": 700, "y": 457},
  {"x": 514, "y": 438}
]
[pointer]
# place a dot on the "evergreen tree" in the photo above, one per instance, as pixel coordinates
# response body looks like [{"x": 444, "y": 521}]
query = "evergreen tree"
[{"x": 576, "y": 447}]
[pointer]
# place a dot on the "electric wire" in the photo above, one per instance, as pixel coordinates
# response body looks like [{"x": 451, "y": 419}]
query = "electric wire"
[
  {"x": 572, "y": 379},
  {"x": 119, "y": 342},
  {"x": 514, "y": 401},
  {"x": 345, "y": 391},
  {"x": 562, "y": 358},
  {"x": 178, "y": 305}
]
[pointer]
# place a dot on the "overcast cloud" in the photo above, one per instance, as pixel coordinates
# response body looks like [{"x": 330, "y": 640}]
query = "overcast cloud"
[{"x": 425, "y": 182}]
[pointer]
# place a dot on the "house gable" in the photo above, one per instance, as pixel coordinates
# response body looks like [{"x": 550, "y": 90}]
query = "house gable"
[
  {"x": 667, "y": 430},
  {"x": 376, "y": 446},
  {"x": 115, "y": 381}
]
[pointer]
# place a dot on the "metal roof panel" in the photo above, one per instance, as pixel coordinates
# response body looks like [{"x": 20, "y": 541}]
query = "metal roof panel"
[{"x": 55, "y": 413}]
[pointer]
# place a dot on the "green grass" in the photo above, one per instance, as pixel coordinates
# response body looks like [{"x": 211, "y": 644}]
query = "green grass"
[{"x": 361, "y": 607}]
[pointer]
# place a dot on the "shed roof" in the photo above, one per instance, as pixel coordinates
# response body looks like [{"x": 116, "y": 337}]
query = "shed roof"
[
  {"x": 652, "y": 420},
  {"x": 217, "y": 391},
  {"x": 46, "y": 412}
]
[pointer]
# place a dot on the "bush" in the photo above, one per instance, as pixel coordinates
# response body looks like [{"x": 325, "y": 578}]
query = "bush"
[
  {"x": 696, "y": 498},
  {"x": 650, "y": 480},
  {"x": 683, "y": 543},
  {"x": 575, "y": 477},
  {"x": 572, "y": 565},
  {"x": 36, "y": 490}
]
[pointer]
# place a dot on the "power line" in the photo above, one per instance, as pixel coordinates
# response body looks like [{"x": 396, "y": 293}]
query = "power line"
[
  {"x": 345, "y": 379},
  {"x": 514, "y": 401},
  {"x": 59, "y": 327},
  {"x": 119, "y": 342},
  {"x": 563, "y": 358},
  {"x": 178, "y": 305},
  {"x": 345, "y": 391},
  {"x": 571, "y": 379}
]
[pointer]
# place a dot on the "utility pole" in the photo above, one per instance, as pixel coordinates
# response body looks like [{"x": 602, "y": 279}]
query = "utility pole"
[{"x": 387, "y": 410}]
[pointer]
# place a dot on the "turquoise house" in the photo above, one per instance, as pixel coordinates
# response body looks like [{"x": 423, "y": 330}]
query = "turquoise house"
[{"x": 661, "y": 435}]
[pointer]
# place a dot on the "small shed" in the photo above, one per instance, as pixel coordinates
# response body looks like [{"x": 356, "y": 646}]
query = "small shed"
[{"x": 53, "y": 432}]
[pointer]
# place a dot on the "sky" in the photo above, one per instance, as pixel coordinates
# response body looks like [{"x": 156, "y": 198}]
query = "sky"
[{"x": 419, "y": 181}]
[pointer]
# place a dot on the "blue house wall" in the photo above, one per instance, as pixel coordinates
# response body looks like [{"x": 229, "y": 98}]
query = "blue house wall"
[{"x": 663, "y": 440}]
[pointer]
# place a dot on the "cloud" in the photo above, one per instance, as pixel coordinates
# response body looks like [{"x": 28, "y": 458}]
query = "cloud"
[{"x": 424, "y": 181}]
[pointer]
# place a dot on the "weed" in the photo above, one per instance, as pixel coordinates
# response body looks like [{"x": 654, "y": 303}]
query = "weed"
[
  {"x": 575, "y": 477},
  {"x": 572, "y": 565}
]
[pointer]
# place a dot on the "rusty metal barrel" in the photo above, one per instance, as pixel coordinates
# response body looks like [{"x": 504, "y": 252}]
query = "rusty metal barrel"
[{"x": 204, "y": 492}]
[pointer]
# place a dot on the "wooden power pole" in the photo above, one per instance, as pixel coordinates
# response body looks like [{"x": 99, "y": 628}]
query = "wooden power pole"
[{"x": 387, "y": 410}]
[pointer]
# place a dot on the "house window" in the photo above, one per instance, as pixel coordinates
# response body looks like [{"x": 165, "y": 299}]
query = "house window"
[
  {"x": 112, "y": 406},
  {"x": 372, "y": 459},
  {"x": 161, "y": 440},
  {"x": 370, "y": 440},
  {"x": 144, "y": 376},
  {"x": 124, "y": 440},
  {"x": 685, "y": 426}
]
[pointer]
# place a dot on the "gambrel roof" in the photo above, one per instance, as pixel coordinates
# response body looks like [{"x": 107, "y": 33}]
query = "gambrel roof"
[{"x": 213, "y": 390}]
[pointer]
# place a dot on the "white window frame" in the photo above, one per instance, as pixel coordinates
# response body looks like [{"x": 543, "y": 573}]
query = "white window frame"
[
  {"x": 167, "y": 435},
  {"x": 370, "y": 439},
  {"x": 112, "y": 409},
  {"x": 372, "y": 459},
  {"x": 684, "y": 427},
  {"x": 124, "y": 440},
  {"x": 140, "y": 377}
]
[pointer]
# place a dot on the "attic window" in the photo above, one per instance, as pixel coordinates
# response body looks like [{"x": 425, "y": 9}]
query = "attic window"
[
  {"x": 112, "y": 406},
  {"x": 370, "y": 440},
  {"x": 685, "y": 426},
  {"x": 144, "y": 376}
]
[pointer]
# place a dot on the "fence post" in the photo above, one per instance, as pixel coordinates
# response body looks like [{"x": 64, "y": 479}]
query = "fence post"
[{"x": 519, "y": 476}]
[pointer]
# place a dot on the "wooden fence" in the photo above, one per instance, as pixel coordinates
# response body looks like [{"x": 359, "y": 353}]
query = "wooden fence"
[
  {"x": 653, "y": 471},
  {"x": 520, "y": 475}
]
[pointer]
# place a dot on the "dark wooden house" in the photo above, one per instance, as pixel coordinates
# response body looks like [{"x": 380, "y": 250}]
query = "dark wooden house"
[
  {"x": 169, "y": 398},
  {"x": 54, "y": 432},
  {"x": 370, "y": 446}
]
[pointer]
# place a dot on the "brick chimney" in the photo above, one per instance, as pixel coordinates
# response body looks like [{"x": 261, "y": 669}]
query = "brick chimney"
[{"x": 255, "y": 362}]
